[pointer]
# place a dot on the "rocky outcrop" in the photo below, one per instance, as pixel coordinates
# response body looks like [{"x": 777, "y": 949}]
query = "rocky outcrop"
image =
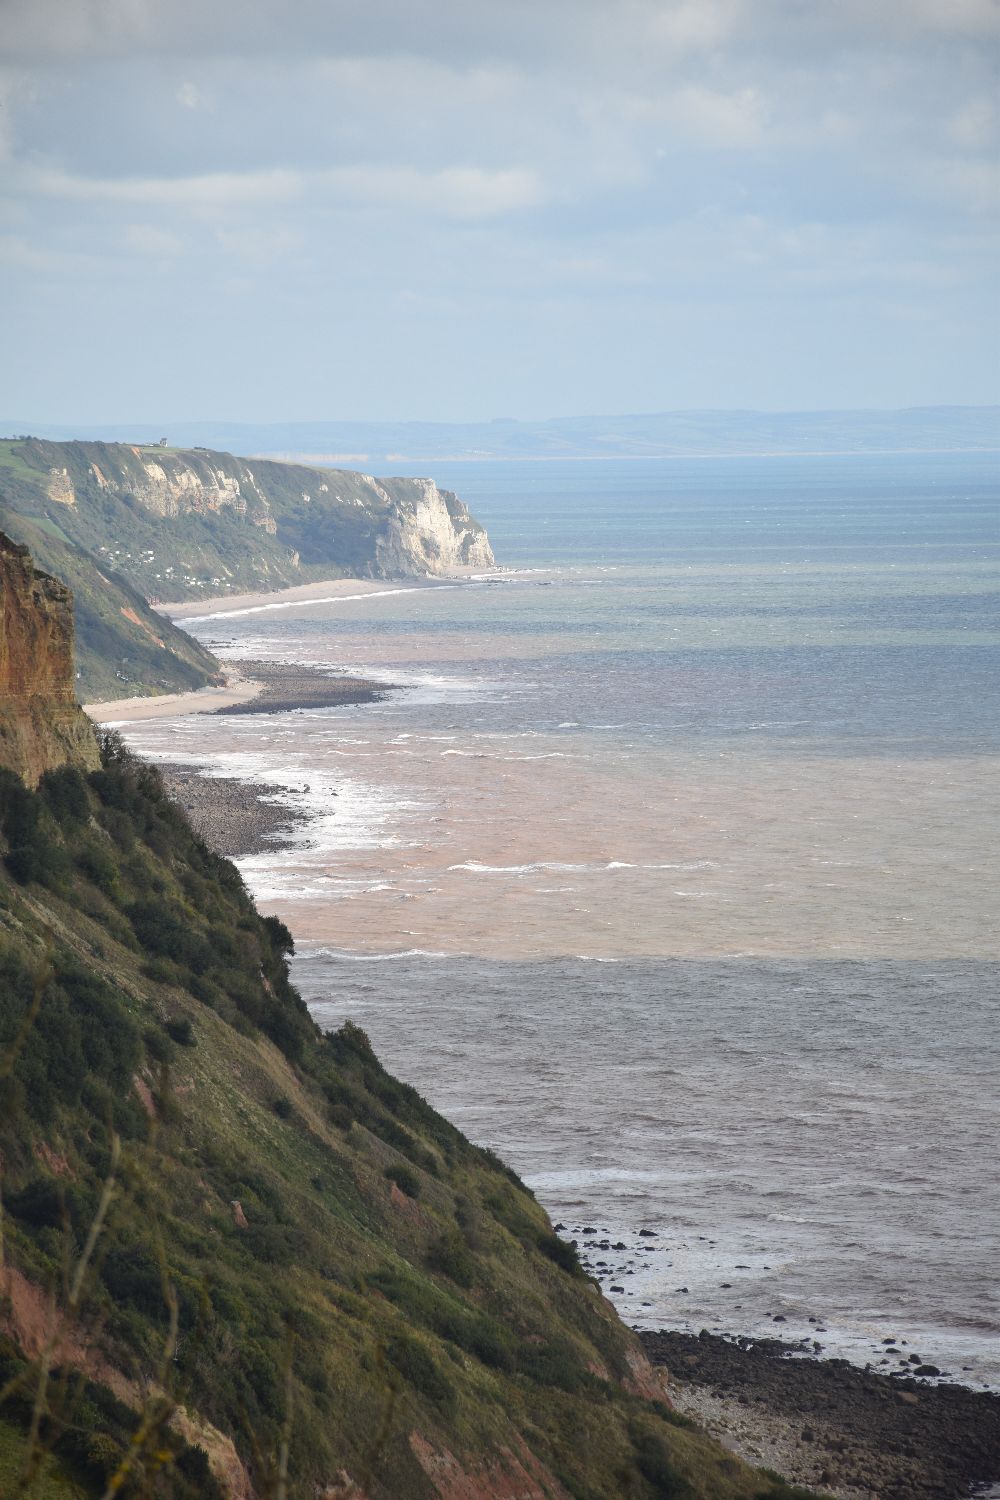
[
  {"x": 41, "y": 723},
  {"x": 428, "y": 530}
]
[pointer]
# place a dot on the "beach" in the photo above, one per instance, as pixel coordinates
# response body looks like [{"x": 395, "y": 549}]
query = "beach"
[
  {"x": 258, "y": 687},
  {"x": 323, "y": 591},
  {"x": 234, "y": 690},
  {"x": 847, "y": 1432}
]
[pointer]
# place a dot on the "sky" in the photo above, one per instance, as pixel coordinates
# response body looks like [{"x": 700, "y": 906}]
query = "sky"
[{"x": 462, "y": 209}]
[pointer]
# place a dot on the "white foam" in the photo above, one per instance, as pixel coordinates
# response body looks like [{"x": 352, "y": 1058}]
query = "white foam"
[
  {"x": 262, "y": 609},
  {"x": 370, "y": 958}
]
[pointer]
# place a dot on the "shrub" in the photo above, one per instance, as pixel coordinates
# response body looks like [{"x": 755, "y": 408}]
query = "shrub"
[
  {"x": 449, "y": 1255},
  {"x": 278, "y": 935},
  {"x": 274, "y": 1244},
  {"x": 158, "y": 1045},
  {"x": 405, "y": 1179},
  {"x": 18, "y": 809},
  {"x": 65, "y": 791},
  {"x": 97, "y": 865},
  {"x": 553, "y": 1362},
  {"x": 40, "y": 1203},
  {"x": 654, "y": 1464},
  {"x": 417, "y": 1365},
  {"x": 159, "y": 969},
  {"x": 560, "y": 1253},
  {"x": 181, "y": 1031}
]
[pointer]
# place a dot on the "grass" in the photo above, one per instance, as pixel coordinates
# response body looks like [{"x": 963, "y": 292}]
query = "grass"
[
  {"x": 53, "y": 1483},
  {"x": 255, "y": 1264}
]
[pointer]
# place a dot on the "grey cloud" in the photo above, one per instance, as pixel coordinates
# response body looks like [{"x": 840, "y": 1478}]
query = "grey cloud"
[{"x": 557, "y": 191}]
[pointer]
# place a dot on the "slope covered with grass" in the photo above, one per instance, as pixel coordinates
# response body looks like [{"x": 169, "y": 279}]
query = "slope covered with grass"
[
  {"x": 274, "y": 1269},
  {"x": 123, "y": 647}
]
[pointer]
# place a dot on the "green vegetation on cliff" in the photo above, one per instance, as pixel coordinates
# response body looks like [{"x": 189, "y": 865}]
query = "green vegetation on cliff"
[
  {"x": 127, "y": 525},
  {"x": 185, "y": 523},
  {"x": 297, "y": 1267},
  {"x": 122, "y": 646}
]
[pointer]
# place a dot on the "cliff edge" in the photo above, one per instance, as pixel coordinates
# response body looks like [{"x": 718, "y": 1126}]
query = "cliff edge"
[
  {"x": 41, "y": 724},
  {"x": 190, "y": 523}
]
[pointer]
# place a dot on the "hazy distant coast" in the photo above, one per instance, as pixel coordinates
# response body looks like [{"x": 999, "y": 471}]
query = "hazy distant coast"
[{"x": 671, "y": 434}]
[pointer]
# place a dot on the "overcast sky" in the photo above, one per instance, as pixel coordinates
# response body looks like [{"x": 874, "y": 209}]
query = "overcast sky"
[{"x": 460, "y": 209}]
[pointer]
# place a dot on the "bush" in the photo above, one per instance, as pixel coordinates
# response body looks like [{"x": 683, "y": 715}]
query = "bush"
[
  {"x": 405, "y": 1179},
  {"x": 65, "y": 791},
  {"x": 181, "y": 1031},
  {"x": 97, "y": 866},
  {"x": 654, "y": 1464},
  {"x": 42, "y": 862},
  {"x": 417, "y": 1365},
  {"x": 560, "y": 1253},
  {"x": 449, "y": 1255},
  {"x": 18, "y": 809},
  {"x": 278, "y": 936},
  {"x": 158, "y": 1045},
  {"x": 159, "y": 969}
]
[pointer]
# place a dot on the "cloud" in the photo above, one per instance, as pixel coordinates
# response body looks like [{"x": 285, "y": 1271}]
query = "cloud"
[
  {"x": 974, "y": 126},
  {"x": 206, "y": 190},
  {"x": 455, "y": 192},
  {"x": 693, "y": 25},
  {"x": 733, "y": 121},
  {"x": 348, "y": 163},
  {"x": 258, "y": 248},
  {"x": 158, "y": 244}
]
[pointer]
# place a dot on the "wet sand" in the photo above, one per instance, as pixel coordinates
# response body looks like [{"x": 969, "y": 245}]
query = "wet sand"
[{"x": 846, "y": 1432}]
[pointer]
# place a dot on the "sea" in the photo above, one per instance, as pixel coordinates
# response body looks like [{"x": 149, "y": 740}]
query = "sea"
[{"x": 667, "y": 868}]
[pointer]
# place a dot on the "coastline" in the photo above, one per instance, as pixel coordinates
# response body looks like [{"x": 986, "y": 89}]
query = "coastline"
[
  {"x": 849, "y": 1432},
  {"x": 270, "y": 688},
  {"x": 822, "y": 1422},
  {"x": 235, "y": 690},
  {"x": 762, "y": 1415},
  {"x": 320, "y": 592}
]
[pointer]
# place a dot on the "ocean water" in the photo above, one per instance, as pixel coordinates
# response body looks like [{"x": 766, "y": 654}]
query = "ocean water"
[{"x": 669, "y": 870}]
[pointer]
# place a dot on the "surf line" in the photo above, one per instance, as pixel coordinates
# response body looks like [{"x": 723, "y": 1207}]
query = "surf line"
[{"x": 258, "y": 609}]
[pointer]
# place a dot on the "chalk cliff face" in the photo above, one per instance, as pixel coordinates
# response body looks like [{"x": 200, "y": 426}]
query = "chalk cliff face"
[
  {"x": 41, "y": 724},
  {"x": 183, "y": 523},
  {"x": 428, "y": 530}
]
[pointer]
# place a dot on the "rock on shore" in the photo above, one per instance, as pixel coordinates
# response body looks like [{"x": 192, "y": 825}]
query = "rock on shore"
[
  {"x": 288, "y": 686},
  {"x": 826, "y": 1423}
]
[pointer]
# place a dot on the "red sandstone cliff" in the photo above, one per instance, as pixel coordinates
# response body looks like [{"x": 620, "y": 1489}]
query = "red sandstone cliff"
[{"x": 41, "y": 723}]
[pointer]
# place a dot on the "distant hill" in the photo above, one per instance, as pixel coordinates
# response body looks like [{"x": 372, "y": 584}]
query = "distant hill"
[
  {"x": 125, "y": 525},
  {"x": 654, "y": 435}
]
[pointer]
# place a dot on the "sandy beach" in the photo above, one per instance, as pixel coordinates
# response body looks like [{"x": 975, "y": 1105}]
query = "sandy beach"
[
  {"x": 242, "y": 686},
  {"x": 321, "y": 592},
  {"x": 236, "y": 689}
]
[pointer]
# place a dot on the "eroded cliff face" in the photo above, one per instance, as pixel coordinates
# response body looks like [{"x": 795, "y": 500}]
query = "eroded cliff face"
[
  {"x": 277, "y": 522},
  {"x": 41, "y": 724},
  {"x": 428, "y": 530}
]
